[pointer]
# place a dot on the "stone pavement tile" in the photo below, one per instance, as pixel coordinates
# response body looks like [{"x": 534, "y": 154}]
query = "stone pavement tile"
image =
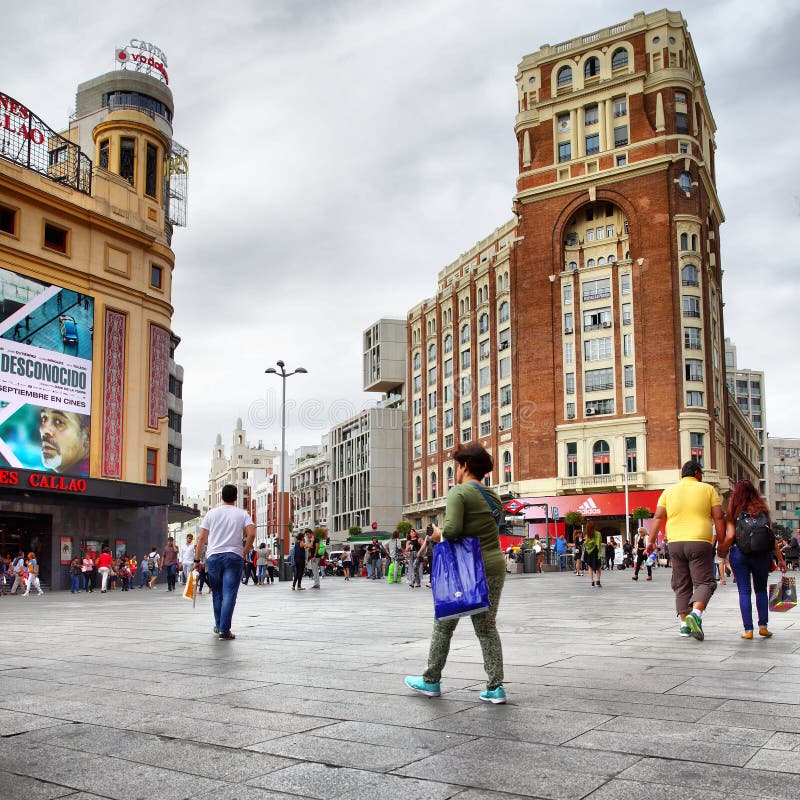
[
  {"x": 13, "y": 723},
  {"x": 779, "y": 760},
  {"x": 634, "y": 790},
  {"x": 20, "y": 786},
  {"x": 378, "y": 758},
  {"x": 253, "y": 717},
  {"x": 524, "y": 724},
  {"x": 423, "y": 741},
  {"x": 660, "y": 729},
  {"x": 484, "y": 794},
  {"x": 206, "y": 731},
  {"x": 237, "y": 791},
  {"x": 700, "y": 687},
  {"x": 784, "y": 741},
  {"x": 783, "y": 709},
  {"x": 323, "y": 782},
  {"x": 691, "y": 777},
  {"x": 766, "y": 722}
]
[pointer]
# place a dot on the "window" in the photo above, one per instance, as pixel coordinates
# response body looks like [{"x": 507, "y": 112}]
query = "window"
[
  {"x": 483, "y": 323},
  {"x": 448, "y": 368},
  {"x": 627, "y": 313},
  {"x": 627, "y": 344},
  {"x": 503, "y": 312},
  {"x": 684, "y": 241},
  {"x": 694, "y": 398},
  {"x": 504, "y": 338},
  {"x": 694, "y": 369},
  {"x": 683, "y": 148},
  {"x": 156, "y": 276},
  {"x": 55, "y": 238},
  {"x": 486, "y": 403},
  {"x": 432, "y": 352},
  {"x": 507, "y": 467},
  {"x": 597, "y": 349},
  {"x": 591, "y": 116},
  {"x": 630, "y": 404},
  {"x": 569, "y": 383},
  {"x": 567, "y": 294},
  {"x": 466, "y": 385},
  {"x": 484, "y": 377},
  {"x": 505, "y": 396},
  {"x": 628, "y": 372},
  {"x": 609, "y": 234},
  {"x": 486, "y": 427},
  {"x": 448, "y": 418},
  {"x": 417, "y": 383},
  {"x": 621, "y": 161},
  {"x": 127, "y": 158},
  {"x": 450, "y": 480},
  {"x": 694, "y": 242},
  {"x": 466, "y": 358},
  {"x": 175, "y": 387},
  {"x": 151, "y": 466},
  {"x": 631, "y": 454},
  {"x": 619, "y": 59},
  {"x": 570, "y": 410},
  {"x": 571, "y": 239},
  {"x": 685, "y": 181},
  {"x": 8, "y": 220},
  {"x": 448, "y": 343},
  {"x": 596, "y": 290},
  {"x": 564, "y": 76},
  {"x": 601, "y": 457},
  {"x": 448, "y": 441},
  {"x": 691, "y": 339},
  {"x": 448, "y": 393},
  {"x": 505, "y": 422},
  {"x": 569, "y": 353},
  {"x": 621, "y": 107},
  {"x": 568, "y": 323},
  {"x": 590, "y": 263},
  {"x": 696, "y": 443},
  {"x": 691, "y": 306},
  {"x": 431, "y": 400},
  {"x": 466, "y": 434},
  {"x": 596, "y": 319},
  {"x": 433, "y": 425},
  {"x": 681, "y": 122},
  {"x": 592, "y": 145},
  {"x": 572, "y": 459},
  {"x": 417, "y": 430},
  {"x": 564, "y": 151},
  {"x": 418, "y": 487},
  {"x": 600, "y": 233},
  {"x": 434, "y": 485},
  {"x": 625, "y": 278},
  {"x": 591, "y": 69},
  {"x": 102, "y": 154},
  {"x": 572, "y": 266},
  {"x": 504, "y": 370},
  {"x": 417, "y": 360},
  {"x": 432, "y": 376},
  {"x": 416, "y": 407},
  {"x": 690, "y": 276},
  {"x": 620, "y": 135},
  {"x": 150, "y": 170},
  {"x": 465, "y": 333},
  {"x": 466, "y": 411},
  {"x": 597, "y": 380},
  {"x": 483, "y": 350}
]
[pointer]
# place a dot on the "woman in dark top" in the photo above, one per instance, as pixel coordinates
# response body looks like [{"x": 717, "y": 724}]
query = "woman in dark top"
[
  {"x": 299, "y": 561},
  {"x": 470, "y": 512},
  {"x": 413, "y": 553}
]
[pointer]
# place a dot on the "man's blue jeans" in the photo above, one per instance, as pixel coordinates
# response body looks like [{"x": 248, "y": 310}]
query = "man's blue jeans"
[
  {"x": 172, "y": 574},
  {"x": 224, "y": 572}
]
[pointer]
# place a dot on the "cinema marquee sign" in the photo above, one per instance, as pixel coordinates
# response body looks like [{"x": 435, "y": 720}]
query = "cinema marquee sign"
[{"x": 143, "y": 57}]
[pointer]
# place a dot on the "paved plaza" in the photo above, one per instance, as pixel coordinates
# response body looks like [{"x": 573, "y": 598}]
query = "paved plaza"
[{"x": 131, "y": 696}]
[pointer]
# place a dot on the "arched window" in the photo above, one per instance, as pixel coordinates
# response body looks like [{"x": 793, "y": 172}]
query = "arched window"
[
  {"x": 461, "y": 306},
  {"x": 434, "y": 485},
  {"x": 449, "y": 477},
  {"x": 612, "y": 259},
  {"x": 684, "y": 241},
  {"x": 573, "y": 265},
  {"x": 507, "y": 467},
  {"x": 619, "y": 59},
  {"x": 503, "y": 312},
  {"x": 689, "y": 275},
  {"x": 431, "y": 352},
  {"x": 601, "y": 456},
  {"x": 419, "y": 489},
  {"x": 590, "y": 263},
  {"x": 601, "y": 261},
  {"x": 448, "y": 343},
  {"x": 465, "y": 333},
  {"x": 480, "y": 294},
  {"x": 483, "y": 323},
  {"x": 417, "y": 360},
  {"x": 564, "y": 76},
  {"x": 685, "y": 181},
  {"x": 591, "y": 69},
  {"x": 694, "y": 242}
]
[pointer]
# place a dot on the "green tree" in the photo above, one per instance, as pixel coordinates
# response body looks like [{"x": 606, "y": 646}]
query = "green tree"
[
  {"x": 355, "y": 530},
  {"x": 404, "y": 527},
  {"x": 573, "y": 520}
]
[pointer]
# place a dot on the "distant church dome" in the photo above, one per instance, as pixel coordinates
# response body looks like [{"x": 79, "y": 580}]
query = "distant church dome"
[
  {"x": 219, "y": 438},
  {"x": 239, "y": 424}
]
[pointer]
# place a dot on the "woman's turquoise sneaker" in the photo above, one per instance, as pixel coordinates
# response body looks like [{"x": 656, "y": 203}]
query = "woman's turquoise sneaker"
[
  {"x": 497, "y": 695},
  {"x": 416, "y": 683}
]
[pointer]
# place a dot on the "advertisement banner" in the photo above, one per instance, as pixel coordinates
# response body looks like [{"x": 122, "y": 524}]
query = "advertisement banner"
[
  {"x": 46, "y": 336},
  {"x": 66, "y": 549}
]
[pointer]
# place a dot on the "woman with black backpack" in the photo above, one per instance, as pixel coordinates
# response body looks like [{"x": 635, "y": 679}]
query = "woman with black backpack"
[{"x": 752, "y": 546}]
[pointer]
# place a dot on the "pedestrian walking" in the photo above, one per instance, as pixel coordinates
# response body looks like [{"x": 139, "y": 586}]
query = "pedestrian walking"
[
  {"x": 471, "y": 510},
  {"x": 145, "y": 576},
  {"x": 642, "y": 556},
  {"x": 75, "y": 573},
  {"x": 592, "y": 543},
  {"x": 752, "y": 546},
  {"x": 610, "y": 553},
  {"x": 132, "y": 566},
  {"x": 18, "y": 570},
  {"x": 347, "y": 561},
  {"x": 413, "y": 552},
  {"x": 169, "y": 563},
  {"x": 248, "y": 568},
  {"x": 262, "y": 561},
  {"x": 104, "y": 563},
  {"x": 87, "y": 568},
  {"x": 394, "y": 552},
  {"x": 186, "y": 557},
  {"x": 577, "y": 551},
  {"x": 689, "y": 511},
  {"x": 375, "y": 553},
  {"x": 153, "y": 565},
  {"x": 299, "y": 561},
  {"x": 316, "y": 552},
  {"x": 221, "y": 535},
  {"x": 32, "y": 566}
]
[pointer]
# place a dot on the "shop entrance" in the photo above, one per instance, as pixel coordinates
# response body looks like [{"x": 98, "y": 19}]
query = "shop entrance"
[{"x": 29, "y": 533}]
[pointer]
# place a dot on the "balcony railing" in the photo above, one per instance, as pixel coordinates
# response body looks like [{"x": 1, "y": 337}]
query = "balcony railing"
[{"x": 583, "y": 483}]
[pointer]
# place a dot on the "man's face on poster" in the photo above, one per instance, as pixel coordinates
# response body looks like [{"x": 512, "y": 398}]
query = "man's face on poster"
[{"x": 65, "y": 439}]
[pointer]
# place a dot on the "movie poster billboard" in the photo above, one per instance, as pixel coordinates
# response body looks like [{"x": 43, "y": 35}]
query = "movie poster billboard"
[{"x": 45, "y": 375}]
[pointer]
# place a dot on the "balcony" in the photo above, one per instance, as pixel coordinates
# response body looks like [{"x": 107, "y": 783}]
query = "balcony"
[{"x": 589, "y": 483}]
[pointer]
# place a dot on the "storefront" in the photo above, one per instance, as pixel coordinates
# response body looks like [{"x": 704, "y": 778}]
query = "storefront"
[{"x": 59, "y": 517}]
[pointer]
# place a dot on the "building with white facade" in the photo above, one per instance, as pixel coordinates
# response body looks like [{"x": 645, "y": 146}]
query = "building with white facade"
[
  {"x": 310, "y": 482},
  {"x": 783, "y": 471}
]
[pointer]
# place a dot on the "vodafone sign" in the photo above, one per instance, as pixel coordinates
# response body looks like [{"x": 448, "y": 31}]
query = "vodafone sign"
[{"x": 143, "y": 57}]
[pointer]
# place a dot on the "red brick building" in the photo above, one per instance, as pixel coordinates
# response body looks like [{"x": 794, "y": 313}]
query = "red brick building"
[{"x": 583, "y": 340}]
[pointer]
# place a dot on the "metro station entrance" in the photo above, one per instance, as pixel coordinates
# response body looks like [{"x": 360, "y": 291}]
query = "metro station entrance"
[{"x": 29, "y": 533}]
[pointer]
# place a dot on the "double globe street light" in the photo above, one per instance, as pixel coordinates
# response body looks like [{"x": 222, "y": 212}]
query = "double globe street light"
[{"x": 282, "y": 522}]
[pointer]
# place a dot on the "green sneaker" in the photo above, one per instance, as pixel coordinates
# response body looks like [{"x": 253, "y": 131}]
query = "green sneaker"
[
  {"x": 685, "y": 630},
  {"x": 416, "y": 683},
  {"x": 497, "y": 695},
  {"x": 695, "y": 625}
]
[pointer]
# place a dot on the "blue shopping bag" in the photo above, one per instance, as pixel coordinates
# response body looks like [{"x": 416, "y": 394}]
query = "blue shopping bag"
[{"x": 458, "y": 579}]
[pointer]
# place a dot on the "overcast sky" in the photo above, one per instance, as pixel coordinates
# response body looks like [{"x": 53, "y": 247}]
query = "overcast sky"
[{"x": 343, "y": 152}]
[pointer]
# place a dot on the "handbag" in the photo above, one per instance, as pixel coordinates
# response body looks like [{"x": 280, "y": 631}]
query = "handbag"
[
  {"x": 458, "y": 579},
  {"x": 783, "y": 595}
]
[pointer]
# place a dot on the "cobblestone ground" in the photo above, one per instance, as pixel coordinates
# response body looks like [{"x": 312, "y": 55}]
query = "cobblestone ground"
[{"x": 131, "y": 696}]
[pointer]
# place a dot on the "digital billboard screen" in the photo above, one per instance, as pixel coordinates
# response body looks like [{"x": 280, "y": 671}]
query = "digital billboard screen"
[{"x": 45, "y": 375}]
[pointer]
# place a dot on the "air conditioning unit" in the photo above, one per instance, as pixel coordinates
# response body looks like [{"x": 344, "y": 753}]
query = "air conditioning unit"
[
  {"x": 589, "y": 412},
  {"x": 567, "y": 330},
  {"x": 606, "y": 324},
  {"x": 503, "y": 345}
]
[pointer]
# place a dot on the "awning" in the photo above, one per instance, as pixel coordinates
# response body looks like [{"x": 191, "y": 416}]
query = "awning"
[{"x": 179, "y": 513}]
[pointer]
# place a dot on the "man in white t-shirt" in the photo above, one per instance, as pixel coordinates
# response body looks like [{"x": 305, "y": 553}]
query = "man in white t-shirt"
[
  {"x": 186, "y": 557},
  {"x": 229, "y": 533}
]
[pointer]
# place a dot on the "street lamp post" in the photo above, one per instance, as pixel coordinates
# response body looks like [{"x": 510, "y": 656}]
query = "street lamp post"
[
  {"x": 627, "y": 508},
  {"x": 282, "y": 523}
]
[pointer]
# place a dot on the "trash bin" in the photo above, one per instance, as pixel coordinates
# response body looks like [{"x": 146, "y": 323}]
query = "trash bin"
[
  {"x": 286, "y": 572},
  {"x": 528, "y": 561}
]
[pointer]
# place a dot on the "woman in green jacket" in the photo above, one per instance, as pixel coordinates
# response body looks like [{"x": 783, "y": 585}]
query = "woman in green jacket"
[
  {"x": 470, "y": 513},
  {"x": 593, "y": 545}
]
